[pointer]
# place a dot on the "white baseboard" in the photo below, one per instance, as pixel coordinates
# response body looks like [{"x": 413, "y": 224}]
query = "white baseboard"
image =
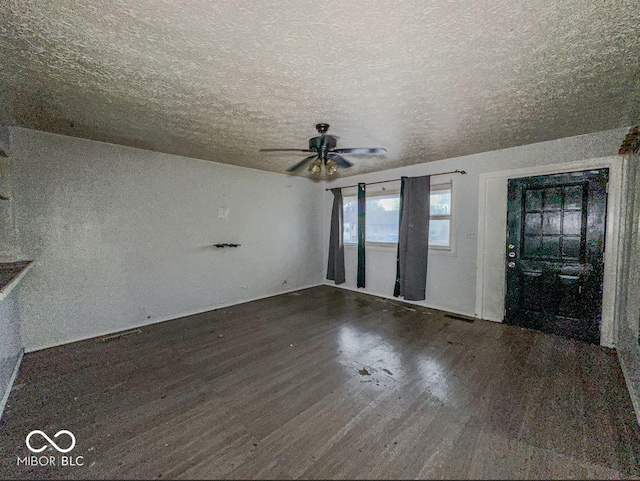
[
  {"x": 14, "y": 375},
  {"x": 397, "y": 299},
  {"x": 170, "y": 317}
]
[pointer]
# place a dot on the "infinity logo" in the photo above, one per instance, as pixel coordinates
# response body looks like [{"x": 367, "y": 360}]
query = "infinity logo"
[{"x": 50, "y": 441}]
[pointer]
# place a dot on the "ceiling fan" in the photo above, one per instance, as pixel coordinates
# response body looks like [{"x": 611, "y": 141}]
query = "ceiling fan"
[{"x": 325, "y": 152}]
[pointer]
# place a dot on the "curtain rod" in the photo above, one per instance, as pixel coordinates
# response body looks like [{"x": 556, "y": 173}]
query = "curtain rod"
[{"x": 463, "y": 172}]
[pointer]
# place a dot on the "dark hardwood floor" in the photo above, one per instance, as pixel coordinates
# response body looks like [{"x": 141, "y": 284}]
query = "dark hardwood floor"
[{"x": 277, "y": 388}]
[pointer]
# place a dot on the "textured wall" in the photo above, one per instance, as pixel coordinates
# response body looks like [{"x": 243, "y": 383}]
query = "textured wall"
[
  {"x": 10, "y": 341},
  {"x": 451, "y": 280},
  {"x": 8, "y": 245},
  {"x": 218, "y": 80},
  {"x": 122, "y": 236},
  {"x": 628, "y": 344}
]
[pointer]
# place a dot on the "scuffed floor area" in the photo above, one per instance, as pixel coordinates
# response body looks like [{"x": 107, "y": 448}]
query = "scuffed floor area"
[{"x": 326, "y": 383}]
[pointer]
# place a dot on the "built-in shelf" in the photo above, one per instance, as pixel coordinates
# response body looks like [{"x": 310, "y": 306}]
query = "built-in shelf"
[{"x": 11, "y": 273}]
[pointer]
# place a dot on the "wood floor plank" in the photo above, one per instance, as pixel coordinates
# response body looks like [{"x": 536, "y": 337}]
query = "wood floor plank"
[{"x": 326, "y": 383}]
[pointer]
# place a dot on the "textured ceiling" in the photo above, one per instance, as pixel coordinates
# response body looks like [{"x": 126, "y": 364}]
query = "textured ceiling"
[{"x": 218, "y": 80}]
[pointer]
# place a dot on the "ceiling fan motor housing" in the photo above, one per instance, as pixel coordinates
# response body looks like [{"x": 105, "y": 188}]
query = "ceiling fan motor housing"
[{"x": 322, "y": 144}]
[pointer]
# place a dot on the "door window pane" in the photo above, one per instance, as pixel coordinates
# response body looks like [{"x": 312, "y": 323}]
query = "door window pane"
[
  {"x": 552, "y": 198},
  {"x": 551, "y": 223},
  {"x": 533, "y": 200},
  {"x": 532, "y": 246},
  {"x": 532, "y": 223},
  {"x": 573, "y": 197},
  {"x": 551, "y": 246},
  {"x": 571, "y": 247},
  {"x": 572, "y": 223}
]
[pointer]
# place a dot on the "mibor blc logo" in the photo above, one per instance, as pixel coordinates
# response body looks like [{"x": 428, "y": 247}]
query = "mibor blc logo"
[
  {"x": 50, "y": 441},
  {"x": 37, "y": 441}
]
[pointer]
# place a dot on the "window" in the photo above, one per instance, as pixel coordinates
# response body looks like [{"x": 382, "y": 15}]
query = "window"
[
  {"x": 383, "y": 215},
  {"x": 440, "y": 219},
  {"x": 350, "y": 219}
]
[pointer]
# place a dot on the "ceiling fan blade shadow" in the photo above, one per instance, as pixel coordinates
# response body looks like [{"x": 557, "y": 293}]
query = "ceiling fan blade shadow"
[
  {"x": 360, "y": 151},
  {"x": 301, "y": 163},
  {"x": 285, "y": 150},
  {"x": 341, "y": 161}
]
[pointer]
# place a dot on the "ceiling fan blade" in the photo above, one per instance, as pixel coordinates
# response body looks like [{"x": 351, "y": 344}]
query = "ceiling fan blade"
[
  {"x": 285, "y": 150},
  {"x": 301, "y": 163},
  {"x": 341, "y": 161},
  {"x": 360, "y": 151}
]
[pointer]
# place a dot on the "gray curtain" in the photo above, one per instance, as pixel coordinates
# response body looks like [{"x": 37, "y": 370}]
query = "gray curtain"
[
  {"x": 362, "y": 236},
  {"x": 335, "y": 265},
  {"x": 413, "y": 238}
]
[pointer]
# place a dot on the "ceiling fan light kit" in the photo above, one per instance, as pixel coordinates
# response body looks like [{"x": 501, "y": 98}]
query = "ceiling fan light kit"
[
  {"x": 315, "y": 166},
  {"x": 331, "y": 166},
  {"x": 326, "y": 153}
]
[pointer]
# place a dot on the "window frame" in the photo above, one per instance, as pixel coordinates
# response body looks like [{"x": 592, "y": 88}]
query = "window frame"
[{"x": 440, "y": 250}]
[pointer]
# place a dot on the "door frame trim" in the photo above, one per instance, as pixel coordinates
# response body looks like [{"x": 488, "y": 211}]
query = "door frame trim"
[{"x": 489, "y": 223}]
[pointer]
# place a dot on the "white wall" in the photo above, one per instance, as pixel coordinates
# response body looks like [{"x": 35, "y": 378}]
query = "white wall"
[
  {"x": 10, "y": 343},
  {"x": 7, "y": 220},
  {"x": 451, "y": 279},
  {"x": 629, "y": 295},
  {"x": 122, "y": 237}
]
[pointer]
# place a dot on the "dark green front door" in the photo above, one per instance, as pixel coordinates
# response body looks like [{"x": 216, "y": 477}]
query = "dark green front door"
[{"x": 555, "y": 253}]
